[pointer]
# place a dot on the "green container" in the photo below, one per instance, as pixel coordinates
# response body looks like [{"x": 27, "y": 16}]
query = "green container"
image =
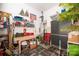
[{"x": 73, "y": 50}]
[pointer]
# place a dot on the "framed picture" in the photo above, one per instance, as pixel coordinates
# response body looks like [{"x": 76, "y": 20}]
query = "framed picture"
[{"x": 32, "y": 17}]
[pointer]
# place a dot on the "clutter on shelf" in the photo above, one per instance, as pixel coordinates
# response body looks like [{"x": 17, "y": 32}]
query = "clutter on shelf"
[{"x": 20, "y": 21}]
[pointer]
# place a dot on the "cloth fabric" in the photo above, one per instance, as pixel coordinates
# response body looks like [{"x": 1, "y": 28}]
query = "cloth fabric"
[
  {"x": 28, "y": 34},
  {"x": 47, "y": 37}
]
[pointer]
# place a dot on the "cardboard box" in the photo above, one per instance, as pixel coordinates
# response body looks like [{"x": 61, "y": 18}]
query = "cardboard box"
[
  {"x": 74, "y": 38},
  {"x": 33, "y": 46}
]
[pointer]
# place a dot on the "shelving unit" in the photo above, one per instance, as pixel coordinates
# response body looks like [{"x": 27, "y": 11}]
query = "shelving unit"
[
  {"x": 25, "y": 29},
  {"x": 5, "y": 17}
]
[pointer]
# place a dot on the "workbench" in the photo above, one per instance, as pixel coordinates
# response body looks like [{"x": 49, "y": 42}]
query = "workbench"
[{"x": 24, "y": 38}]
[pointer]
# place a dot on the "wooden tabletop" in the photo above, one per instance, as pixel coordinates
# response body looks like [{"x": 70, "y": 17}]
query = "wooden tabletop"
[
  {"x": 24, "y": 38},
  {"x": 73, "y": 42}
]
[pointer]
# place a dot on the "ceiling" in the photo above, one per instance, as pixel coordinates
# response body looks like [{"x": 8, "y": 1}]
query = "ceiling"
[{"x": 42, "y": 6}]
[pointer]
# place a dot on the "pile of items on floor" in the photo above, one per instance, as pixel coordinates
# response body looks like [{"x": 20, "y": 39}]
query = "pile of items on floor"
[{"x": 41, "y": 51}]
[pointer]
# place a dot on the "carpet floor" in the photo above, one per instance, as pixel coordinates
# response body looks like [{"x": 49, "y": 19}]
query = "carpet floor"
[{"x": 41, "y": 51}]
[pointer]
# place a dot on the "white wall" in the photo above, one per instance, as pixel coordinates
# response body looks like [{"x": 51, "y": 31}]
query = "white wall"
[
  {"x": 50, "y": 12},
  {"x": 15, "y": 9}
]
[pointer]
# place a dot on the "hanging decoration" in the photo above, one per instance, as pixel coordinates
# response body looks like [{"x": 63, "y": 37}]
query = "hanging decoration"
[
  {"x": 21, "y": 12},
  {"x": 26, "y": 14}
]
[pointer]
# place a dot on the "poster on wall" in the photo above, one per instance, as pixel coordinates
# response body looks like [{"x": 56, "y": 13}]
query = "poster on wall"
[{"x": 32, "y": 17}]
